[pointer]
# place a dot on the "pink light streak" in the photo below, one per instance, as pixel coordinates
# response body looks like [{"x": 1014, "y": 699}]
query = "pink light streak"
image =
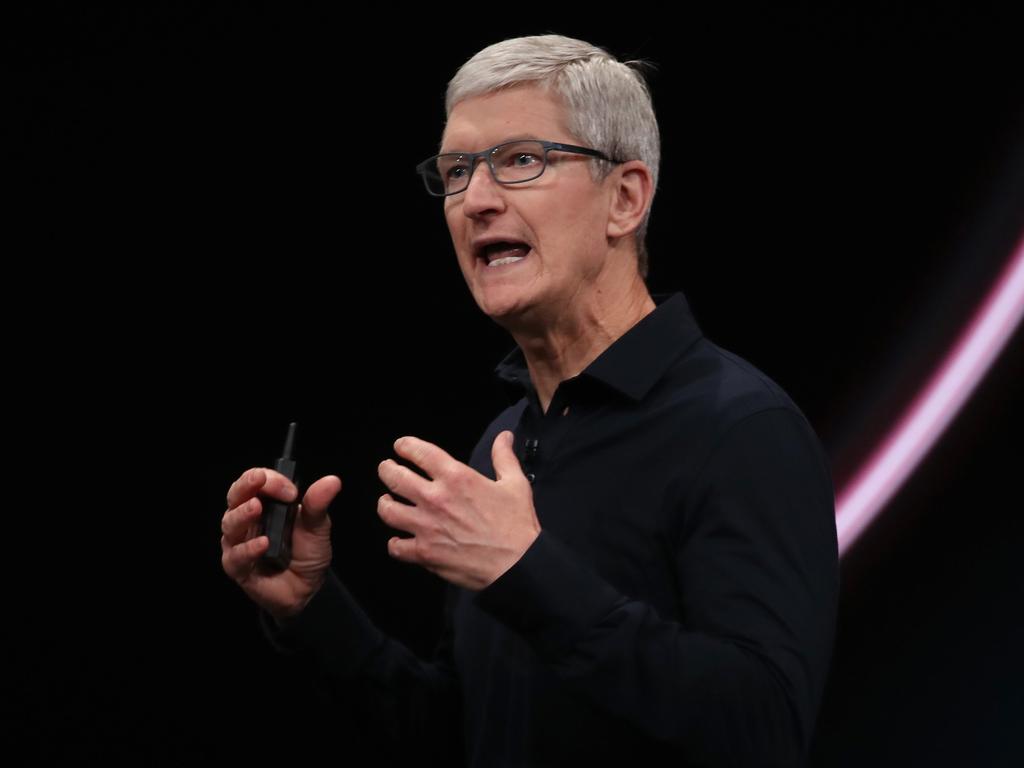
[{"x": 922, "y": 424}]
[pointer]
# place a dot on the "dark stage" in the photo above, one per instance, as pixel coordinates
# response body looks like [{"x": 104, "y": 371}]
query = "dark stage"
[{"x": 225, "y": 232}]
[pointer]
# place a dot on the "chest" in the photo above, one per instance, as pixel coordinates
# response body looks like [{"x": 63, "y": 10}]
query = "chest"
[{"x": 611, "y": 484}]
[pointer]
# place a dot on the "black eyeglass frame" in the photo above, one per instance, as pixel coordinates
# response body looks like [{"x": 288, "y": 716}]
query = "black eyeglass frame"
[{"x": 487, "y": 154}]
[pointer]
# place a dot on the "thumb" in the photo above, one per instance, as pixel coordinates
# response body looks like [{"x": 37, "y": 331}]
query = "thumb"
[
  {"x": 318, "y": 498},
  {"x": 503, "y": 456}
]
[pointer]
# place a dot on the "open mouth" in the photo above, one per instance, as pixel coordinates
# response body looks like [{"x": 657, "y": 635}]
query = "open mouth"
[{"x": 496, "y": 255}]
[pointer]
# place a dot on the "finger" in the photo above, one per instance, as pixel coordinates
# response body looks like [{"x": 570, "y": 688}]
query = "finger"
[
  {"x": 429, "y": 457},
  {"x": 262, "y": 481},
  {"x": 404, "y": 481},
  {"x": 405, "y": 550},
  {"x": 403, "y": 517},
  {"x": 238, "y": 560},
  {"x": 279, "y": 486},
  {"x": 503, "y": 457},
  {"x": 318, "y": 498},
  {"x": 246, "y": 486},
  {"x": 238, "y": 523}
]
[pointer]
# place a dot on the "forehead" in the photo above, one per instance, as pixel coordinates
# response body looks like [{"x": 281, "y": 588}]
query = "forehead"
[{"x": 523, "y": 111}]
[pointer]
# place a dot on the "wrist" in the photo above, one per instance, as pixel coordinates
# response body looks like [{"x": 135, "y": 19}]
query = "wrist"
[{"x": 282, "y": 615}]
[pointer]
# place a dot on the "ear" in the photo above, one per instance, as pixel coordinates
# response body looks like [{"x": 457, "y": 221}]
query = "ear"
[{"x": 631, "y": 190}]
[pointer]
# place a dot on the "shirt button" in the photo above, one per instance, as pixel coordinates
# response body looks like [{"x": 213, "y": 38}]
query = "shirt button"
[
  {"x": 565, "y": 411},
  {"x": 530, "y": 476}
]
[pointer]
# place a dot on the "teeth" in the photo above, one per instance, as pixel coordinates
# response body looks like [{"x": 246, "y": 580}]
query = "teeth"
[{"x": 506, "y": 260}]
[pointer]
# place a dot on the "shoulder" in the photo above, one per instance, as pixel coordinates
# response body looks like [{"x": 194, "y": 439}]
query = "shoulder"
[
  {"x": 722, "y": 405},
  {"x": 758, "y": 457},
  {"x": 719, "y": 389}
]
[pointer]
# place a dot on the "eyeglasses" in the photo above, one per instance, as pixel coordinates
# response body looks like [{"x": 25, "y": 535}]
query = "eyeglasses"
[{"x": 511, "y": 163}]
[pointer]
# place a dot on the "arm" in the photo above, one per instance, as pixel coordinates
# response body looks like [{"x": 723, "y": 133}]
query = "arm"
[
  {"x": 739, "y": 679},
  {"x": 408, "y": 703}
]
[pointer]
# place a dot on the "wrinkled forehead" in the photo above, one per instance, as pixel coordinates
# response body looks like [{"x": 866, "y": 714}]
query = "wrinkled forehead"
[{"x": 520, "y": 111}]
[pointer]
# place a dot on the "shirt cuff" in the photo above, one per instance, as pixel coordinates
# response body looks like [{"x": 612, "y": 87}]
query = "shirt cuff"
[
  {"x": 550, "y": 597},
  {"x": 331, "y": 625}
]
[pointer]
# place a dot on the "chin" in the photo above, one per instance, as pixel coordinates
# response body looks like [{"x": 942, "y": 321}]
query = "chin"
[
  {"x": 497, "y": 302},
  {"x": 509, "y": 308}
]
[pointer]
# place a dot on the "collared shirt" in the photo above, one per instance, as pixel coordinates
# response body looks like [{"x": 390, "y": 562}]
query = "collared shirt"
[{"x": 679, "y": 603}]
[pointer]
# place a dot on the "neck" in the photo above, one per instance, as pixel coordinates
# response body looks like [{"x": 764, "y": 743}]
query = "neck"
[{"x": 581, "y": 331}]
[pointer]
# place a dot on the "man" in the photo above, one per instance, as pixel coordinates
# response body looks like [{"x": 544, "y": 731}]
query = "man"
[{"x": 642, "y": 551}]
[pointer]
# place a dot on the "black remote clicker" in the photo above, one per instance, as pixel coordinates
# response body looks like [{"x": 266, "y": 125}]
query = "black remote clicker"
[{"x": 278, "y": 517}]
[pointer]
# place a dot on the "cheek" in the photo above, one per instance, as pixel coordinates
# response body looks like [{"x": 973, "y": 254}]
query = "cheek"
[
  {"x": 580, "y": 232},
  {"x": 456, "y": 228},
  {"x": 450, "y": 219}
]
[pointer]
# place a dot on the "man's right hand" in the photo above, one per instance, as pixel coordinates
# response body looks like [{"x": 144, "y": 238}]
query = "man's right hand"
[{"x": 281, "y": 593}]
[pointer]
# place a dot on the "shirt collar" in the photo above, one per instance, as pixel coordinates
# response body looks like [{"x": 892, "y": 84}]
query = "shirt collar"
[{"x": 632, "y": 363}]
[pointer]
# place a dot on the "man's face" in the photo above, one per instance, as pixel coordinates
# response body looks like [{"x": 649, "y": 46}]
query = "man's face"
[{"x": 562, "y": 215}]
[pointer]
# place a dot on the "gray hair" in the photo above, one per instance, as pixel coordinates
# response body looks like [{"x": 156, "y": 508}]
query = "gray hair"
[{"x": 609, "y": 103}]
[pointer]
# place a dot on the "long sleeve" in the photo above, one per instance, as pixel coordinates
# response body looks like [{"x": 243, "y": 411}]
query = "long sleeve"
[
  {"x": 738, "y": 679},
  {"x": 412, "y": 706}
]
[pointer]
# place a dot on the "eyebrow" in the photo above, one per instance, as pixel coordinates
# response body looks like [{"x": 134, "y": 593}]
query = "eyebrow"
[{"x": 516, "y": 137}]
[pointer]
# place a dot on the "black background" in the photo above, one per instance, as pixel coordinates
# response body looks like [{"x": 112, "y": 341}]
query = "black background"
[{"x": 222, "y": 231}]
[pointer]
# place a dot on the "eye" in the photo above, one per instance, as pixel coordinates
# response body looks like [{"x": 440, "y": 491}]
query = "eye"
[
  {"x": 523, "y": 159},
  {"x": 455, "y": 171}
]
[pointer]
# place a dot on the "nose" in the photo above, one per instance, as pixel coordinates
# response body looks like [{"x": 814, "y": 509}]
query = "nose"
[{"x": 483, "y": 194}]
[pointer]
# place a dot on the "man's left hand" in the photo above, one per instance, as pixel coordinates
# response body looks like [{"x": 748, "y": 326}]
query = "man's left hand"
[{"x": 466, "y": 528}]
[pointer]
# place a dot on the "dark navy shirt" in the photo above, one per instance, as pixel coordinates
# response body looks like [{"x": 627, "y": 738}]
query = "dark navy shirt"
[{"x": 678, "y": 606}]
